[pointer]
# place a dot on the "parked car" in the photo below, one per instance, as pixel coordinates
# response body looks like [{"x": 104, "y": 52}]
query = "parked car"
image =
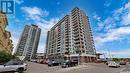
[
  {"x": 50, "y": 63},
  {"x": 108, "y": 62},
  {"x": 13, "y": 66},
  {"x": 98, "y": 61},
  {"x": 66, "y": 63},
  {"x": 53, "y": 63},
  {"x": 123, "y": 62},
  {"x": 127, "y": 70},
  {"x": 69, "y": 63},
  {"x": 33, "y": 60},
  {"x": 74, "y": 62},
  {"x": 43, "y": 62},
  {"x": 113, "y": 64}
]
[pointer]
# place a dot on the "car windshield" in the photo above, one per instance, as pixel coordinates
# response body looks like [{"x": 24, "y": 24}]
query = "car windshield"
[
  {"x": 14, "y": 63},
  {"x": 67, "y": 60},
  {"x": 112, "y": 62}
]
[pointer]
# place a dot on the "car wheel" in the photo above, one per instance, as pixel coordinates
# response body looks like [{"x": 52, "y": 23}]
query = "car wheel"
[{"x": 20, "y": 70}]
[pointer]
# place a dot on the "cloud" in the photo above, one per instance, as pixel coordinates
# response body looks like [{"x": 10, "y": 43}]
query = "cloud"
[
  {"x": 106, "y": 24},
  {"x": 107, "y": 4},
  {"x": 34, "y": 13},
  {"x": 126, "y": 19},
  {"x": 100, "y": 24},
  {"x": 127, "y": 5},
  {"x": 19, "y": 1},
  {"x": 119, "y": 53},
  {"x": 109, "y": 32},
  {"x": 115, "y": 27},
  {"x": 120, "y": 16},
  {"x": 95, "y": 16},
  {"x": 113, "y": 35}
]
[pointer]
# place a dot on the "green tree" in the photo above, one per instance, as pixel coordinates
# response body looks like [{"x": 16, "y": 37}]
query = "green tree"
[
  {"x": 116, "y": 59},
  {"x": 5, "y": 57}
]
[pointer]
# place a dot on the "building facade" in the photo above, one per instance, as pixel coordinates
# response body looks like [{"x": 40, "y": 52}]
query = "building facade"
[
  {"x": 40, "y": 55},
  {"x": 5, "y": 36},
  {"x": 71, "y": 37},
  {"x": 28, "y": 42}
]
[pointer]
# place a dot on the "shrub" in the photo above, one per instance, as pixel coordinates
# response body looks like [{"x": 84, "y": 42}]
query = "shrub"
[{"x": 5, "y": 57}]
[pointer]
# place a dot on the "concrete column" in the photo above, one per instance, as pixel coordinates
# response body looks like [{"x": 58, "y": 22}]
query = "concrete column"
[
  {"x": 90, "y": 59},
  {"x": 87, "y": 59},
  {"x": 82, "y": 59}
]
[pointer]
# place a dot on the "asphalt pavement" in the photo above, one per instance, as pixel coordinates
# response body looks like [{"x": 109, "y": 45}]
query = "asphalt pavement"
[{"x": 86, "y": 68}]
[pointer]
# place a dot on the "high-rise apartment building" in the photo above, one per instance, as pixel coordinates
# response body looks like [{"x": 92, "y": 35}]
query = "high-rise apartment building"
[
  {"x": 28, "y": 43},
  {"x": 5, "y": 41},
  {"x": 71, "y": 37}
]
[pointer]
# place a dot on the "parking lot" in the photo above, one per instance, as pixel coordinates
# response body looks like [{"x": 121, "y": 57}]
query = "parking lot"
[
  {"x": 86, "y": 68},
  {"x": 40, "y": 68}
]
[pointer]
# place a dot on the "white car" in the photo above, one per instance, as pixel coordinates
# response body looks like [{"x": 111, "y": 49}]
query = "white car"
[
  {"x": 13, "y": 67},
  {"x": 113, "y": 64},
  {"x": 33, "y": 60}
]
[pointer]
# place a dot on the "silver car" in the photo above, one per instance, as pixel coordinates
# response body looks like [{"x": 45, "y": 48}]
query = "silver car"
[{"x": 13, "y": 67}]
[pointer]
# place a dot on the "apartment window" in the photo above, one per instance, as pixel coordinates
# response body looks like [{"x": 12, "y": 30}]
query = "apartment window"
[{"x": 83, "y": 51}]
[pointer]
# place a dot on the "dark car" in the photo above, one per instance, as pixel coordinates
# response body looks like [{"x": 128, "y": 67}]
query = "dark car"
[
  {"x": 53, "y": 63},
  {"x": 69, "y": 63},
  {"x": 66, "y": 63},
  {"x": 75, "y": 62}
]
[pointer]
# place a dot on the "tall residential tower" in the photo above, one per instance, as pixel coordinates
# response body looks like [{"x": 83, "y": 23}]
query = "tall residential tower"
[
  {"x": 71, "y": 37},
  {"x": 28, "y": 43}
]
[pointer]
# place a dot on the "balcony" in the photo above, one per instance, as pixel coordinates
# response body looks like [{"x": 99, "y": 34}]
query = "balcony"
[
  {"x": 75, "y": 29},
  {"x": 76, "y": 35},
  {"x": 76, "y": 39},
  {"x": 77, "y": 42}
]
